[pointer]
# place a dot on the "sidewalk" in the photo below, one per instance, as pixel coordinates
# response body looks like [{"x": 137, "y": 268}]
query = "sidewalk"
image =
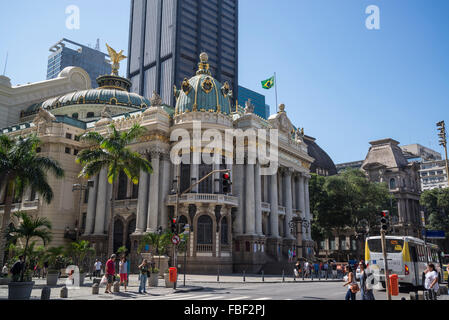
[{"x": 85, "y": 292}]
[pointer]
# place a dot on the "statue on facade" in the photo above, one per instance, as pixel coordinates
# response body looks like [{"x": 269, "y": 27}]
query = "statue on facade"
[
  {"x": 116, "y": 57},
  {"x": 249, "y": 107},
  {"x": 156, "y": 100}
]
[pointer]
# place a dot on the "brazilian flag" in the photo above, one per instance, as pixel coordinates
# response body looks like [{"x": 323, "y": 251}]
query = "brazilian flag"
[{"x": 268, "y": 84}]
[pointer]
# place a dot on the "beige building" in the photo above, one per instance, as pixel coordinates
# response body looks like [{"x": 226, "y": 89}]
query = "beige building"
[{"x": 252, "y": 228}]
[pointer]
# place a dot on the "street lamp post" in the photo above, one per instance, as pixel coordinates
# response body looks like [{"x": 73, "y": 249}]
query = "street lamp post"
[{"x": 80, "y": 188}]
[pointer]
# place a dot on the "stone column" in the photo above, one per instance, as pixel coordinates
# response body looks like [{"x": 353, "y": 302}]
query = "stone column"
[
  {"x": 274, "y": 216},
  {"x": 142, "y": 203},
  {"x": 307, "y": 204},
  {"x": 101, "y": 202},
  {"x": 91, "y": 206},
  {"x": 258, "y": 199},
  {"x": 194, "y": 172},
  {"x": 108, "y": 206},
  {"x": 294, "y": 193},
  {"x": 288, "y": 202},
  {"x": 165, "y": 189},
  {"x": 153, "y": 204},
  {"x": 250, "y": 217},
  {"x": 301, "y": 196},
  {"x": 238, "y": 178}
]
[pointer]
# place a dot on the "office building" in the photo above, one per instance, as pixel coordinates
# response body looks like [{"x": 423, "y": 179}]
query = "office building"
[
  {"x": 67, "y": 53},
  {"x": 257, "y": 99},
  {"x": 433, "y": 175},
  {"x": 167, "y": 36}
]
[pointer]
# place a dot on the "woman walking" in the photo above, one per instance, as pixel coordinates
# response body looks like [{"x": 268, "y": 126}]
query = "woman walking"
[
  {"x": 123, "y": 269},
  {"x": 350, "y": 281},
  {"x": 366, "y": 289},
  {"x": 431, "y": 282},
  {"x": 143, "y": 268}
]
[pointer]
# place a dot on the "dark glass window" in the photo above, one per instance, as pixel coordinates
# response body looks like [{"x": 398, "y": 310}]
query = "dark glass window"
[
  {"x": 204, "y": 230},
  {"x": 68, "y": 135},
  {"x": 392, "y": 183},
  {"x": 224, "y": 231},
  {"x": 122, "y": 186},
  {"x": 206, "y": 185},
  {"x": 135, "y": 194},
  {"x": 185, "y": 177},
  {"x": 90, "y": 115},
  {"x": 67, "y": 150}
]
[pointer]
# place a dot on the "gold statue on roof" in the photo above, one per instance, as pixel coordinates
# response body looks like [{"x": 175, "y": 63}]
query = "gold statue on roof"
[{"x": 115, "y": 58}]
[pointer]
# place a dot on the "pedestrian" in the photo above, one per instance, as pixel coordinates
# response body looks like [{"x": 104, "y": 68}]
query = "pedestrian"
[
  {"x": 326, "y": 269},
  {"x": 297, "y": 269},
  {"x": 143, "y": 271},
  {"x": 339, "y": 271},
  {"x": 5, "y": 270},
  {"x": 97, "y": 266},
  {"x": 316, "y": 268},
  {"x": 366, "y": 289},
  {"x": 123, "y": 270},
  {"x": 351, "y": 282},
  {"x": 431, "y": 281},
  {"x": 110, "y": 273},
  {"x": 17, "y": 269},
  {"x": 44, "y": 270}
]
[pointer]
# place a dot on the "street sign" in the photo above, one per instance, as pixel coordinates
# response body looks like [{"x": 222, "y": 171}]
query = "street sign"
[
  {"x": 175, "y": 239},
  {"x": 435, "y": 234}
]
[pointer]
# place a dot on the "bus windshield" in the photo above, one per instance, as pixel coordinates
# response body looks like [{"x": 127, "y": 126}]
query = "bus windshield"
[{"x": 393, "y": 245}]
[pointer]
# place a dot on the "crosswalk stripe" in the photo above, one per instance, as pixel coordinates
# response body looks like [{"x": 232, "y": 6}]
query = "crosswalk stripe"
[
  {"x": 214, "y": 298},
  {"x": 173, "y": 297},
  {"x": 196, "y": 297},
  {"x": 263, "y": 298},
  {"x": 239, "y": 298}
]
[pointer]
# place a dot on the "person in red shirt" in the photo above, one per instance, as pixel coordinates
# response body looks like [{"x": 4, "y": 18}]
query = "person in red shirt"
[{"x": 110, "y": 273}]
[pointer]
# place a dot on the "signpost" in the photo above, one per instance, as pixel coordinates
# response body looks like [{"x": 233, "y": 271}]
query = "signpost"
[{"x": 175, "y": 240}]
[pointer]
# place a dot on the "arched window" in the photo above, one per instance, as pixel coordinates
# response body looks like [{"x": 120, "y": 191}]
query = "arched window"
[
  {"x": 122, "y": 186},
  {"x": 90, "y": 115},
  {"x": 185, "y": 177},
  {"x": 392, "y": 183},
  {"x": 204, "y": 230},
  {"x": 118, "y": 234},
  {"x": 224, "y": 231},
  {"x": 135, "y": 194},
  {"x": 75, "y": 116},
  {"x": 131, "y": 230}
]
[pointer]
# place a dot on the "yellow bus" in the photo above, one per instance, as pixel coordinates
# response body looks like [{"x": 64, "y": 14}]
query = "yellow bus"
[{"x": 407, "y": 257}]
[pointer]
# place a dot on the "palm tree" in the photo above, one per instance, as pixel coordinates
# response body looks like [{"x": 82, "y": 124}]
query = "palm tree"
[
  {"x": 29, "y": 228},
  {"x": 112, "y": 152},
  {"x": 21, "y": 167}
]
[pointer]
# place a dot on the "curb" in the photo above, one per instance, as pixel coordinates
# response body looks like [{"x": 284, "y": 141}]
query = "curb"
[{"x": 262, "y": 282}]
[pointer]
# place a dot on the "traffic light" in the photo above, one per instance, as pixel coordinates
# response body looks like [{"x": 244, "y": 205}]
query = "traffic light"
[
  {"x": 173, "y": 226},
  {"x": 384, "y": 220},
  {"x": 226, "y": 182}
]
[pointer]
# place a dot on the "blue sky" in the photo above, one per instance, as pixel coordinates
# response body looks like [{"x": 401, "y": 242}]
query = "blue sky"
[{"x": 345, "y": 84}]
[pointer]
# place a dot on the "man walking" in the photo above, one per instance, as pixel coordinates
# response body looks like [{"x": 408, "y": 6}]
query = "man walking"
[
  {"x": 110, "y": 273},
  {"x": 17, "y": 268},
  {"x": 97, "y": 265}
]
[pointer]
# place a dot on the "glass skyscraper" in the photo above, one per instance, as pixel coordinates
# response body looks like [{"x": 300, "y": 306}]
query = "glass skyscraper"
[
  {"x": 257, "y": 99},
  {"x": 67, "y": 53},
  {"x": 167, "y": 36}
]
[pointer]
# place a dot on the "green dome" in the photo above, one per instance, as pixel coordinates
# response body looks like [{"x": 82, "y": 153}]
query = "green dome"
[
  {"x": 93, "y": 96},
  {"x": 203, "y": 93}
]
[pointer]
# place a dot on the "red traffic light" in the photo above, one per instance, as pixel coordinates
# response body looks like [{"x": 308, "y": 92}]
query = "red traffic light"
[
  {"x": 226, "y": 176},
  {"x": 173, "y": 220},
  {"x": 384, "y": 213}
]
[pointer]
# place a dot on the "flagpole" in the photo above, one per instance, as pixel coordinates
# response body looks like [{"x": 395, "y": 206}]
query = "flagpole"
[{"x": 276, "y": 91}]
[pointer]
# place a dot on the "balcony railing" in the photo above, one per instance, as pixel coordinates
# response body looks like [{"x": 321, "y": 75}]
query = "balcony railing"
[
  {"x": 203, "y": 248},
  {"x": 23, "y": 206},
  {"x": 281, "y": 210},
  {"x": 266, "y": 207},
  {"x": 205, "y": 198},
  {"x": 126, "y": 204}
]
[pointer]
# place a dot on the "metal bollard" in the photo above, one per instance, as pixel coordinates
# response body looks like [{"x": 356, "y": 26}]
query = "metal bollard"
[
  {"x": 263, "y": 276},
  {"x": 218, "y": 275},
  {"x": 302, "y": 274},
  {"x": 327, "y": 274},
  {"x": 95, "y": 288},
  {"x": 244, "y": 275},
  {"x": 64, "y": 292},
  {"x": 116, "y": 286},
  {"x": 283, "y": 276},
  {"x": 46, "y": 292},
  {"x": 97, "y": 280},
  {"x": 319, "y": 275}
]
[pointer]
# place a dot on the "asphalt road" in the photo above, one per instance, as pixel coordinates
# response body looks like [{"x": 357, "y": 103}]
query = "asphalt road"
[{"x": 272, "y": 291}]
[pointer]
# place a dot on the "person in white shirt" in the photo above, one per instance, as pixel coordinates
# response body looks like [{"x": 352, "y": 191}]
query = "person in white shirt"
[
  {"x": 431, "y": 282},
  {"x": 5, "y": 270},
  {"x": 97, "y": 265}
]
